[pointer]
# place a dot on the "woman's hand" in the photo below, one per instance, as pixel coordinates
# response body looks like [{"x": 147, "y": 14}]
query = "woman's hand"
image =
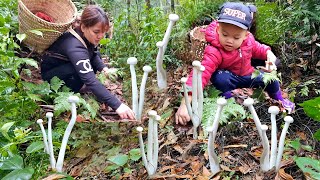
[
  {"x": 110, "y": 73},
  {"x": 125, "y": 112},
  {"x": 182, "y": 115}
]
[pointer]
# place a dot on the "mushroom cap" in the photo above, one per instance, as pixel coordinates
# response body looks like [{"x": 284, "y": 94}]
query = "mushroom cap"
[
  {"x": 273, "y": 110},
  {"x": 209, "y": 129},
  {"x": 221, "y": 101},
  {"x": 139, "y": 129},
  {"x": 132, "y": 60},
  {"x": 264, "y": 127},
  {"x": 248, "y": 102},
  {"x": 288, "y": 119},
  {"x": 49, "y": 114},
  {"x": 39, "y": 121},
  {"x": 158, "y": 118},
  {"x": 196, "y": 64},
  {"x": 159, "y": 44},
  {"x": 184, "y": 79},
  {"x": 73, "y": 99},
  {"x": 152, "y": 113},
  {"x": 147, "y": 68},
  {"x": 173, "y": 17}
]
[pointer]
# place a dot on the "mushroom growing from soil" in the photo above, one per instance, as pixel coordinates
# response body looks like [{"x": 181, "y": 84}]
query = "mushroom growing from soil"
[
  {"x": 213, "y": 158},
  {"x": 161, "y": 73},
  {"x": 132, "y": 61},
  {"x": 146, "y": 70},
  {"x": 73, "y": 100}
]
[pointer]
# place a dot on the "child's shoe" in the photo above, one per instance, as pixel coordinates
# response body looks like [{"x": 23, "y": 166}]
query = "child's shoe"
[{"x": 288, "y": 105}]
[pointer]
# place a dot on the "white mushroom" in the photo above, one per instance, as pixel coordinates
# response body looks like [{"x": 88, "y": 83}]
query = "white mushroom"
[
  {"x": 146, "y": 70},
  {"x": 249, "y": 103},
  {"x": 49, "y": 115},
  {"x": 184, "y": 80},
  {"x": 213, "y": 159},
  {"x": 133, "y": 61},
  {"x": 44, "y": 135},
  {"x": 151, "y": 136},
  {"x": 200, "y": 92},
  {"x": 73, "y": 100},
  {"x": 273, "y": 110},
  {"x": 144, "y": 159},
  {"x": 264, "y": 159},
  {"x": 288, "y": 120},
  {"x": 161, "y": 73},
  {"x": 195, "y": 119}
]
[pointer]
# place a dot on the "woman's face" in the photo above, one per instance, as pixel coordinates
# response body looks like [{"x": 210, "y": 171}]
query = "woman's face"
[
  {"x": 94, "y": 33},
  {"x": 231, "y": 36}
]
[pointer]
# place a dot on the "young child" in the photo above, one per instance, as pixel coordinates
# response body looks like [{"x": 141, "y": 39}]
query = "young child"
[{"x": 227, "y": 58}]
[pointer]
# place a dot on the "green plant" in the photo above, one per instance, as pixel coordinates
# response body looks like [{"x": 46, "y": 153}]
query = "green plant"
[
  {"x": 121, "y": 162},
  {"x": 231, "y": 112},
  {"x": 312, "y": 109},
  {"x": 310, "y": 167}
]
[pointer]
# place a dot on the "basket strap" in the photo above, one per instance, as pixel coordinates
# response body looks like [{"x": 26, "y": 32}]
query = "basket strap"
[{"x": 75, "y": 34}]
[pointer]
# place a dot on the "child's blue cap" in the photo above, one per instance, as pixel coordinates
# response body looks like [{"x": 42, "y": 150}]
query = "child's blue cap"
[{"x": 236, "y": 13}]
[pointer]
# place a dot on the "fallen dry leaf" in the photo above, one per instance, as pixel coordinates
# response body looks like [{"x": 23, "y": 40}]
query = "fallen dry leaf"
[
  {"x": 225, "y": 168},
  {"x": 178, "y": 148},
  {"x": 236, "y": 146},
  {"x": 284, "y": 175},
  {"x": 54, "y": 177},
  {"x": 205, "y": 171},
  {"x": 244, "y": 169},
  {"x": 195, "y": 166}
]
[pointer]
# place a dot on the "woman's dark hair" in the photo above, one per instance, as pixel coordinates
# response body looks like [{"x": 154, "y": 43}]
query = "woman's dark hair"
[{"x": 92, "y": 15}]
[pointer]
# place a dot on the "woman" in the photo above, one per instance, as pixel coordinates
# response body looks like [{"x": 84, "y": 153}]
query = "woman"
[{"x": 74, "y": 59}]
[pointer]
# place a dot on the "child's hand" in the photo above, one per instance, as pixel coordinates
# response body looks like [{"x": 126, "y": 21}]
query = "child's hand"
[
  {"x": 182, "y": 116},
  {"x": 271, "y": 60}
]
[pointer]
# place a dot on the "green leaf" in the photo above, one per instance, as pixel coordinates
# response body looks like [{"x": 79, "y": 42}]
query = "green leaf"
[
  {"x": 312, "y": 108},
  {"x": 30, "y": 62},
  {"x": 111, "y": 168},
  {"x": 255, "y": 74},
  {"x": 119, "y": 160},
  {"x": 135, "y": 154},
  {"x": 21, "y": 37},
  {"x": 56, "y": 84},
  {"x": 20, "y": 174},
  {"x": 317, "y": 135},
  {"x": 35, "y": 146},
  {"x": 5, "y": 128},
  {"x": 12, "y": 163},
  {"x": 309, "y": 166},
  {"x": 295, "y": 144}
]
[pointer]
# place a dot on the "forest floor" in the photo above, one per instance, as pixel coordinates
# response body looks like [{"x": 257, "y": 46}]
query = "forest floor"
[{"x": 180, "y": 156}]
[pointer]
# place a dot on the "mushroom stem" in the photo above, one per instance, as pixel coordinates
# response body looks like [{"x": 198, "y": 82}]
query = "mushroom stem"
[
  {"x": 44, "y": 135},
  {"x": 200, "y": 92},
  {"x": 162, "y": 79},
  {"x": 133, "y": 61},
  {"x": 161, "y": 73},
  {"x": 73, "y": 100},
  {"x": 213, "y": 159},
  {"x": 185, "y": 93},
  {"x": 194, "y": 102},
  {"x": 157, "y": 118},
  {"x": 144, "y": 159},
  {"x": 273, "y": 110},
  {"x": 49, "y": 115},
  {"x": 288, "y": 120},
  {"x": 150, "y": 137},
  {"x": 146, "y": 70},
  {"x": 249, "y": 103},
  {"x": 264, "y": 159}
]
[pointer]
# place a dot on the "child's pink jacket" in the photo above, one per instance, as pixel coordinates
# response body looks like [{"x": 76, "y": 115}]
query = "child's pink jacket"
[{"x": 237, "y": 61}]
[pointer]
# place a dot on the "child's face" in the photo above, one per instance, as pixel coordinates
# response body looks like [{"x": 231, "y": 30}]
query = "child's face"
[{"x": 231, "y": 36}]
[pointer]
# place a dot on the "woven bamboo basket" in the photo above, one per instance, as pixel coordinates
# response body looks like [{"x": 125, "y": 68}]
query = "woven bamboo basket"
[
  {"x": 198, "y": 42},
  {"x": 63, "y": 12}
]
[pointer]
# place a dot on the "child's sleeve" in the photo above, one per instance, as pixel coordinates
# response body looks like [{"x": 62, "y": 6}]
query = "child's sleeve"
[
  {"x": 211, "y": 61},
  {"x": 259, "y": 51}
]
